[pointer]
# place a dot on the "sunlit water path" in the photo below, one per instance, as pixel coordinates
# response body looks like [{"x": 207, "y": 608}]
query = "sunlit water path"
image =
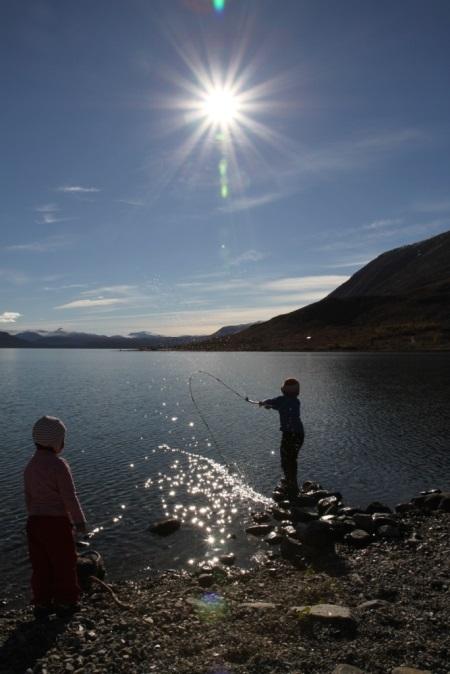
[{"x": 377, "y": 426}]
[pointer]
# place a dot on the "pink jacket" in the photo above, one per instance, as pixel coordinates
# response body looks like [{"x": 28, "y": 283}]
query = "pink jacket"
[{"x": 49, "y": 487}]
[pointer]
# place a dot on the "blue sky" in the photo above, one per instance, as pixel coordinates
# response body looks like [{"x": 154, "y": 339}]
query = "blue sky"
[{"x": 129, "y": 204}]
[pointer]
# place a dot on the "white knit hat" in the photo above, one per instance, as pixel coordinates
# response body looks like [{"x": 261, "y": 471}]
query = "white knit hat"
[{"x": 49, "y": 432}]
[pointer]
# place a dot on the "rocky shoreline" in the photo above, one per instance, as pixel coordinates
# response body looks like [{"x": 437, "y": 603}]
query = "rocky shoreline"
[{"x": 341, "y": 591}]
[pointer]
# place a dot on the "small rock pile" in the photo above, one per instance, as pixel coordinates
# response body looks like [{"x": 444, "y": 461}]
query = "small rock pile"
[{"x": 309, "y": 525}]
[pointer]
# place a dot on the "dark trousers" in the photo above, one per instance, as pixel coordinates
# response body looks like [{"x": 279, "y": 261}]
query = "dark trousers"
[
  {"x": 289, "y": 449},
  {"x": 53, "y": 559}
]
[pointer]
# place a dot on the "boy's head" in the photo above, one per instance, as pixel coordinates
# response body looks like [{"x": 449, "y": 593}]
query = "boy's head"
[
  {"x": 291, "y": 387},
  {"x": 49, "y": 433}
]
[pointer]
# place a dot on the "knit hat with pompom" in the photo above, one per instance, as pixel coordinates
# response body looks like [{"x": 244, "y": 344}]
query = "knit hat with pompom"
[{"x": 49, "y": 432}]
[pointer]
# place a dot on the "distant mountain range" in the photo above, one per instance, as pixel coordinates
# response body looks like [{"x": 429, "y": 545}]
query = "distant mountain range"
[
  {"x": 60, "y": 339},
  {"x": 399, "y": 301}
]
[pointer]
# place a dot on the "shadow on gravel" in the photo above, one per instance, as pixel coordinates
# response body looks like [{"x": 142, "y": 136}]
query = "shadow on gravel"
[
  {"x": 27, "y": 643},
  {"x": 332, "y": 564}
]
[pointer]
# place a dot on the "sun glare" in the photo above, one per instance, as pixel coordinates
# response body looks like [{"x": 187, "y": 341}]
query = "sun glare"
[{"x": 221, "y": 107}]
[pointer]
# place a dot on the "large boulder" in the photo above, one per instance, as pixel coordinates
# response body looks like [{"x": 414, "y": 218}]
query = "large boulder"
[{"x": 319, "y": 536}]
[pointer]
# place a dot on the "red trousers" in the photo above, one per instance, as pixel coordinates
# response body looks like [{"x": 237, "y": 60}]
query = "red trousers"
[{"x": 53, "y": 559}]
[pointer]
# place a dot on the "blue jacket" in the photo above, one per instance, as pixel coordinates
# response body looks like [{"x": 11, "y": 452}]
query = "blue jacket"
[{"x": 288, "y": 408}]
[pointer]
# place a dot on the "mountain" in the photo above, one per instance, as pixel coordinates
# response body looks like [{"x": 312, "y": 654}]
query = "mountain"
[
  {"x": 230, "y": 330},
  {"x": 399, "y": 301},
  {"x": 60, "y": 339},
  {"x": 10, "y": 341}
]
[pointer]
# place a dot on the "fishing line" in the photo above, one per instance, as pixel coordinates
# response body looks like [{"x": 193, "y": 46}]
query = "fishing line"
[{"x": 205, "y": 422}]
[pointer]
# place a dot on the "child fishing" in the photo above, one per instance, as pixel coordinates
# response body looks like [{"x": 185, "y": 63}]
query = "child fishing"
[
  {"x": 53, "y": 512},
  {"x": 293, "y": 434}
]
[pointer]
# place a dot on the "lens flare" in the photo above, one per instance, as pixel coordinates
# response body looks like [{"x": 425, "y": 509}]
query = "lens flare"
[
  {"x": 221, "y": 107},
  {"x": 219, "y": 5}
]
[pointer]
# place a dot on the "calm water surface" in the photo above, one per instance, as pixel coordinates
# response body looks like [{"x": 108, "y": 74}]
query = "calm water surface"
[{"x": 377, "y": 427}]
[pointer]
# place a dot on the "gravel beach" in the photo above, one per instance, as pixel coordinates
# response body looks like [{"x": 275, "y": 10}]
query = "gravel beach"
[{"x": 379, "y": 609}]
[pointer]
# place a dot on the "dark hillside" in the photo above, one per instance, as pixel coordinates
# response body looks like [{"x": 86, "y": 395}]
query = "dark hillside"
[{"x": 399, "y": 301}]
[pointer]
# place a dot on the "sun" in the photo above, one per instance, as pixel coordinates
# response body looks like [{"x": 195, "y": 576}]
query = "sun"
[{"x": 221, "y": 107}]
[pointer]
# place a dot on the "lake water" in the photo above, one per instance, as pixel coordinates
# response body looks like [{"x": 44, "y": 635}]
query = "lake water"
[{"x": 377, "y": 427}]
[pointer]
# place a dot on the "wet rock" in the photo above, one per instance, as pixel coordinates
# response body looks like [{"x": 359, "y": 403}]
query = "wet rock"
[
  {"x": 364, "y": 522},
  {"x": 261, "y": 517},
  {"x": 205, "y": 579},
  {"x": 280, "y": 513},
  {"x": 409, "y": 670},
  {"x": 289, "y": 530},
  {"x": 404, "y": 507},
  {"x": 426, "y": 492},
  {"x": 306, "y": 500},
  {"x": 228, "y": 559},
  {"x": 347, "y": 669},
  {"x": 383, "y": 518},
  {"x": 273, "y": 538},
  {"x": 291, "y": 548},
  {"x": 278, "y": 496},
  {"x": 328, "y": 505},
  {"x": 377, "y": 507},
  {"x": 259, "y": 529},
  {"x": 165, "y": 527},
  {"x": 304, "y": 515},
  {"x": 358, "y": 538},
  {"x": 311, "y": 486}
]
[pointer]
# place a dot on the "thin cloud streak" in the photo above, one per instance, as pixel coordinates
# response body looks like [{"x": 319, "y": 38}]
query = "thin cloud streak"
[
  {"x": 77, "y": 189},
  {"x": 83, "y": 304}
]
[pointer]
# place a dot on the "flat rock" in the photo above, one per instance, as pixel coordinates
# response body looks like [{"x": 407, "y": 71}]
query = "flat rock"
[
  {"x": 259, "y": 529},
  {"x": 228, "y": 559},
  {"x": 165, "y": 527},
  {"x": 364, "y": 522},
  {"x": 331, "y": 613},
  {"x": 358, "y": 538},
  {"x": 281, "y": 513},
  {"x": 347, "y": 669}
]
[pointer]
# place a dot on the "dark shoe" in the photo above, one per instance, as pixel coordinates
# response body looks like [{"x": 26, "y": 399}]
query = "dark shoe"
[
  {"x": 66, "y": 611},
  {"x": 42, "y": 612}
]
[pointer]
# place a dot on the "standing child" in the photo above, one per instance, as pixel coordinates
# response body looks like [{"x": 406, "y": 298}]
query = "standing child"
[
  {"x": 293, "y": 434},
  {"x": 53, "y": 510}
]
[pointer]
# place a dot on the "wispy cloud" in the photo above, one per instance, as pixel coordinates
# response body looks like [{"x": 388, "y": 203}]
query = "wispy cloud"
[
  {"x": 383, "y": 223},
  {"x": 131, "y": 202},
  {"x": 303, "y": 283},
  {"x": 14, "y": 276},
  {"x": 47, "y": 208},
  {"x": 77, "y": 189},
  {"x": 249, "y": 256},
  {"x": 68, "y": 286},
  {"x": 9, "y": 316},
  {"x": 46, "y": 246},
  {"x": 117, "y": 289},
  {"x": 86, "y": 304}
]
